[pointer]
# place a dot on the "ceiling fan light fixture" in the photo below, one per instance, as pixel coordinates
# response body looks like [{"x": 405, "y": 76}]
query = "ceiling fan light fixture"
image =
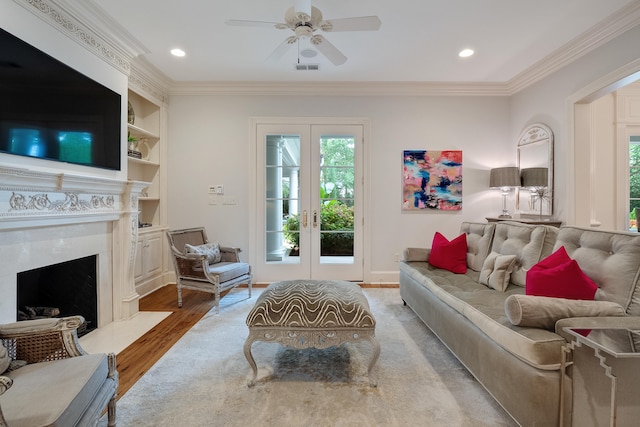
[
  {"x": 304, "y": 31},
  {"x": 308, "y": 53}
]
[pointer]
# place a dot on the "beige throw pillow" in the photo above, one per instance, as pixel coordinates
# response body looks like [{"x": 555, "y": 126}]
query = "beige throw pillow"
[
  {"x": 211, "y": 250},
  {"x": 543, "y": 312},
  {"x": 496, "y": 271}
]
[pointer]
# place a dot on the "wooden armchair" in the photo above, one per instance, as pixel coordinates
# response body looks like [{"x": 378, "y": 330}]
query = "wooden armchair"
[
  {"x": 55, "y": 381},
  {"x": 205, "y": 266}
]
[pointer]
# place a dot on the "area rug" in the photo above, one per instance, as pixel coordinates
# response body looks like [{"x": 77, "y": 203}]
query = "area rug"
[{"x": 202, "y": 379}]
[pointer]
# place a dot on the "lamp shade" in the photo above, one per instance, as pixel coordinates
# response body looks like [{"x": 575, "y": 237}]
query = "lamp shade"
[
  {"x": 504, "y": 177},
  {"x": 535, "y": 177}
]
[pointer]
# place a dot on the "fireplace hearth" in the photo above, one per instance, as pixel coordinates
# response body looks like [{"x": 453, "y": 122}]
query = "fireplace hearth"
[{"x": 63, "y": 289}]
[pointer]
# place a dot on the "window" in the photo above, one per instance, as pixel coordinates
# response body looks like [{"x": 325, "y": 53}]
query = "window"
[{"x": 634, "y": 182}]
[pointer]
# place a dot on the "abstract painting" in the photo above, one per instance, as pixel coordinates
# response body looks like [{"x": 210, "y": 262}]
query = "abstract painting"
[{"x": 432, "y": 180}]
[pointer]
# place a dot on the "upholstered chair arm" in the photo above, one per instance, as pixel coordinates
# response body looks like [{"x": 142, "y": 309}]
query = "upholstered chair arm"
[
  {"x": 5, "y": 384},
  {"x": 230, "y": 254},
  {"x": 43, "y": 340}
]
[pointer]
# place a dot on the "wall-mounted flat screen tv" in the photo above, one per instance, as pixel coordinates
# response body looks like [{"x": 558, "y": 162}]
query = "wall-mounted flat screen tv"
[{"x": 50, "y": 111}]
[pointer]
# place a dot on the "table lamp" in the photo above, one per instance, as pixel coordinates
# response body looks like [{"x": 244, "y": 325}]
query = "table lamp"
[{"x": 504, "y": 179}]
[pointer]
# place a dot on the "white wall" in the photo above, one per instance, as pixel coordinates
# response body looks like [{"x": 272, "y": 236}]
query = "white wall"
[
  {"x": 547, "y": 100},
  {"x": 209, "y": 143}
]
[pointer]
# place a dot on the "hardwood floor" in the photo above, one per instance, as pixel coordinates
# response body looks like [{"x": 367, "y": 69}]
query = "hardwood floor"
[{"x": 135, "y": 360}]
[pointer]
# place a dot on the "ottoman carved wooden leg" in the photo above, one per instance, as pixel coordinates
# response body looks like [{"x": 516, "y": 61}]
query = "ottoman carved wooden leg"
[{"x": 311, "y": 314}]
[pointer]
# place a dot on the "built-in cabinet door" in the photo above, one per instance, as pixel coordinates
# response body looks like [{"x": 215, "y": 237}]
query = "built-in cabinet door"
[
  {"x": 309, "y": 200},
  {"x": 148, "y": 256}
]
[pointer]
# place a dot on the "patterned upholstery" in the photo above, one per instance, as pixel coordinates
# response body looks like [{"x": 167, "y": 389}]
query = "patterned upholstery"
[{"x": 312, "y": 304}]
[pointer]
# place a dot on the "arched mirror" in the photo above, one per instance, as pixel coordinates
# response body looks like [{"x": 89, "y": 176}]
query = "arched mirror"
[{"x": 535, "y": 161}]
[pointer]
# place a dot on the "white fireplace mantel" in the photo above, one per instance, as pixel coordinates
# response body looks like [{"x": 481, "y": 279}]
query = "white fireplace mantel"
[{"x": 48, "y": 217}]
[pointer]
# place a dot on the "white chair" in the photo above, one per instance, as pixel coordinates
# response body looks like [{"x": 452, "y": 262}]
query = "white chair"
[{"x": 206, "y": 266}]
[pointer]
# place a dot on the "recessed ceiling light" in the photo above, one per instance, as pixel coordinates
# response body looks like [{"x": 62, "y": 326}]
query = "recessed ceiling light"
[
  {"x": 178, "y": 52},
  {"x": 465, "y": 53}
]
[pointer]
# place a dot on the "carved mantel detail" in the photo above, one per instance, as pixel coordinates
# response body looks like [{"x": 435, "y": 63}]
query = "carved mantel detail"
[{"x": 56, "y": 198}]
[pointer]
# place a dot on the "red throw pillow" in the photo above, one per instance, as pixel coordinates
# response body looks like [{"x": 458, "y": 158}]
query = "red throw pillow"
[
  {"x": 449, "y": 255},
  {"x": 561, "y": 277}
]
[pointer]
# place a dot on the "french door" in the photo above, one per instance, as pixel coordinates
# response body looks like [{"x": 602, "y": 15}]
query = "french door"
[{"x": 309, "y": 202}]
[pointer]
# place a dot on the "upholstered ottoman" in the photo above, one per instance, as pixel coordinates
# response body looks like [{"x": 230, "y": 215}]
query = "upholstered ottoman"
[{"x": 311, "y": 314}]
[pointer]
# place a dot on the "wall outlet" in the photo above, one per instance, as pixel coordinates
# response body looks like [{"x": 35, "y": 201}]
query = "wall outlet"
[
  {"x": 229, "y": 201},
  {"x": 220, "y": 189},
  {"x": 396, "y": 257},
  {"x": 213, "y": 199}
]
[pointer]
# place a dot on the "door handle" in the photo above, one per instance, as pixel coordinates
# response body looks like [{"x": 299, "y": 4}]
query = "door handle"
[
  {"x": 304, "y": 219},
  {"x": 315, "y": 219}
]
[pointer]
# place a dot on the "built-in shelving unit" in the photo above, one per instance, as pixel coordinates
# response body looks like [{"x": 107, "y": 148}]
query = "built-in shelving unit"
[
  {"x": 145, "y": 130},
  {"x": 148, "y": 134}
]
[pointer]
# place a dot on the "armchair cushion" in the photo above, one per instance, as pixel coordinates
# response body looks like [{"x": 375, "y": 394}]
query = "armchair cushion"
[
  {"x": 229, "y": 270},
  {"x": 210, "y": 250},
  {"x": 76, "y": 380}
]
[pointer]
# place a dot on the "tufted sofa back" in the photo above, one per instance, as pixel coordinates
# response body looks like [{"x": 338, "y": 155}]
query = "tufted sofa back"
[
  {"x": 610, "y": 258},
  {"x": 479, "y": 238},
  {"x": 530, "y": 244}
]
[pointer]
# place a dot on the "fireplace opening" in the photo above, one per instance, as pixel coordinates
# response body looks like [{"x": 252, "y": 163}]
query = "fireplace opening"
[{"x": 59, "y": 290}]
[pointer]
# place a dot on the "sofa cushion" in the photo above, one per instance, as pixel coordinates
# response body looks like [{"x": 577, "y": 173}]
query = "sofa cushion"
[
  {"x": 496, "y": 271},
  {"x": 211, "y": 250},
  {"x": 484, "y": 308},
  {"x": 529, "y": 243},
  {"x": 449, "y": 255},
  {"x": 76, "y": 381},
  {"x": 479, "y": 238},
  {"x": 560, "y": 276},
  {"x": 544, "y": 312},
  {"x": 611, "y": 259}
]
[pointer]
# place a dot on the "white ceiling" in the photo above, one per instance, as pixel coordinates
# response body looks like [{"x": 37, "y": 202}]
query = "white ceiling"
[{"x": 418, "y": 40}]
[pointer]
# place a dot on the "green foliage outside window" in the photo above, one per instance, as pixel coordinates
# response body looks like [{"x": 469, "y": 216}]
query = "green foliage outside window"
[{"x": 336, "y": 217}]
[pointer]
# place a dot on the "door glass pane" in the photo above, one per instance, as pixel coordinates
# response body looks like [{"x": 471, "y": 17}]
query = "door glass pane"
[
  {"x": 634, "y": 182},
  {"x": 282, "y": 196},
  {"x": 337, "y": 173}
]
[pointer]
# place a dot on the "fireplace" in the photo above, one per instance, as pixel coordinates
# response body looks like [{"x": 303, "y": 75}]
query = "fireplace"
[
  {"x": 58, "y": 290},
  {"x": 51, "y": 218}
]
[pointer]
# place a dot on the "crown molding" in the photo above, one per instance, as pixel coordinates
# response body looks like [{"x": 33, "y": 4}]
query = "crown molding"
[
  {"x": 148, "y": 81},
  {"x": 339, "y": 88},
  {"x": 116, "y": 46},
  {"x": 63, "y": 17},
  {"x": 608, "y": 29}
]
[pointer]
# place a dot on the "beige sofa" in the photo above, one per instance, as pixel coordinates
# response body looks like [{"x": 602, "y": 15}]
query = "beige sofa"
[
  {"x": 519, "y": 366},
  {"x": 60, "y": 384}
]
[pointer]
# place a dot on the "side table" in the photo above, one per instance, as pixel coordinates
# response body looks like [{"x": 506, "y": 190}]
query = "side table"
[
  {"x": 604, "y": 366},
  {"x": 540, "y": 221}
]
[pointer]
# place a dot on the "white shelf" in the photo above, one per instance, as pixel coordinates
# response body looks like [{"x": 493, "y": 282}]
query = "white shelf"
[
  {"x": 142, "y": 161},
  {"x": 139, "y": 132}
]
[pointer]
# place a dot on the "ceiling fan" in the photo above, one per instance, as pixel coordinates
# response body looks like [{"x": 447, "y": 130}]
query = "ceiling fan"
[{"x": 306, "y": 21}]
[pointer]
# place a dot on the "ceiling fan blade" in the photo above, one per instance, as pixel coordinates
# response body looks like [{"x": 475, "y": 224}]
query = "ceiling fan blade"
[
  {"x": 361, "y": 23},
  {"x": 281, "y": 49},
  {"x": 243, "y": 23},
  {"x": 327, "y": 49}
]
